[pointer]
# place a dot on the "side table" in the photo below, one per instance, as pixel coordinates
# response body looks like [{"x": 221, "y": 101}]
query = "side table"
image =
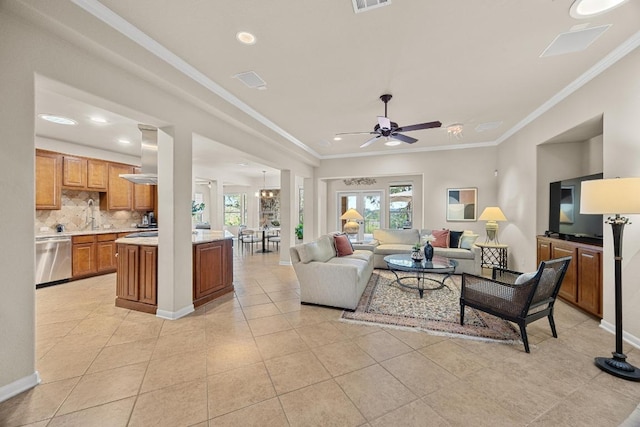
[{"x": 493, "y": 255}]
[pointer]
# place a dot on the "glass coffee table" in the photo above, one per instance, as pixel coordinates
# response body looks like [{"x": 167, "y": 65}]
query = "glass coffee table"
[{"x": 404, "y": 262}]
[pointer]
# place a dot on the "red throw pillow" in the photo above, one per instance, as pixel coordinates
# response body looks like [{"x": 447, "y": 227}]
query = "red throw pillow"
[
  {"x": 442, "y": 238},
  {"x": 343, "y": 245}
]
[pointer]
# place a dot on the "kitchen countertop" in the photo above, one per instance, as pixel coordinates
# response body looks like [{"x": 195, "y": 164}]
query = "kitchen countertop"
[
  {"x": 89, "y": 232},
  {"x": 197, "y": 237}
]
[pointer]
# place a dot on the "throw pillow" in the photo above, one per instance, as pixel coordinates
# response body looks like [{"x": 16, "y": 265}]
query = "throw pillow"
[
  {"x": 343, "y": 245},
  {"x": 442, "y": 239},
  {"x": 525, "y": 277},
  {"x": 454, "y": 239},
  {"x": 467, "y": 240}
]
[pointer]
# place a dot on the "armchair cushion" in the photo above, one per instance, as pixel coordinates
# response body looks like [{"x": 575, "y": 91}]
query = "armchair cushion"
[{"x": 525, "y": 277}]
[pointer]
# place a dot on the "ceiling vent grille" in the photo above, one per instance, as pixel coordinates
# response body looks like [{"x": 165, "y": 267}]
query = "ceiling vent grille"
[
  {"x": 251, "y": 79},
  {"x": 364, "y": 5},
  {"x": 574, "y": 41}
]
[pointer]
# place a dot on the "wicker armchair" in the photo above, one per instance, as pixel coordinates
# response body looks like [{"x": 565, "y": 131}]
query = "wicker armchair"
[{"x": 512, "y": 296}]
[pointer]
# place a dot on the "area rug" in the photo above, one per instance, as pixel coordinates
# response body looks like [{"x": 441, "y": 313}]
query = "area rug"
[{"x": 384, "y": 302}]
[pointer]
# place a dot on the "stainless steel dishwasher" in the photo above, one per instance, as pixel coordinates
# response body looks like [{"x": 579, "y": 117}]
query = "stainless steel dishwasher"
[{"x": 53, "y": 259}]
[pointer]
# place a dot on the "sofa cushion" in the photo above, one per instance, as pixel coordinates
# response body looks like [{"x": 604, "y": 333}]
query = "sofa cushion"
[
  {"x": 455, "y": 253},
  {"x": 342, "y": 244},
  {"x": 360, "y": 264},
  {"x": 321, "y": 250},
  {"x": 442, "y": 239},
  {"x": 393, "y": 249},
  {"x": 361, "y": 254},
  {"x": 404, "y": 237},
  {"x": 454, "y": 239},
  {"x": 467, "y": 240}
]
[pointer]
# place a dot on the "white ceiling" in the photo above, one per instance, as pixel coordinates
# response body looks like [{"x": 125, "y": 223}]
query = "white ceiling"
[{"x": 457, "y": 61}]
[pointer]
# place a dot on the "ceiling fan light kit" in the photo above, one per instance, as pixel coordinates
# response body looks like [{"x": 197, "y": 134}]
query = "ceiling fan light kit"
[{"x": 390, "y": 130}]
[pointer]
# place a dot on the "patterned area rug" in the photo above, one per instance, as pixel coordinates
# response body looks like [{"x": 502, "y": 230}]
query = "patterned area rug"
[{"x": 385, "y": 302}]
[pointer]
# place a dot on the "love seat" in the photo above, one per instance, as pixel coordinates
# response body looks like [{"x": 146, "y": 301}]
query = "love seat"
[
  {"x": 392, "y": 241},
  {"x": 328, "y": 279}
]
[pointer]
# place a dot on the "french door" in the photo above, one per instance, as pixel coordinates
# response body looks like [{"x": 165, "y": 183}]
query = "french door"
[{"x": 368, "y": 204}]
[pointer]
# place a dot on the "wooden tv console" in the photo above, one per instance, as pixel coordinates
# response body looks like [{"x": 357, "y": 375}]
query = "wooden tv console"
[{"x": 582, "y": 284}]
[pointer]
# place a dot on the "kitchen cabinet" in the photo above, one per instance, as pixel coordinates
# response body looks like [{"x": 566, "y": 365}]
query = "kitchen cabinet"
[
  {"x": 119, "y": 196},
  {"x": 79, "y": 173},
  {"x": 83, "y": 256},
  {"x": 136, "y": 277},
  {"x": 48, "y": 180},
  {"x": 582, "y": 284},
  {"x": 143, "y": 195},
  {"x": 212, "y": 270},
  {"x": 106, "y": 252}
]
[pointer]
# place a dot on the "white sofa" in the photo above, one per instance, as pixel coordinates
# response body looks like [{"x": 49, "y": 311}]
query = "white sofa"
[
  {"x": 390, "y": 241},
  {"x": 328, "y": 279}
]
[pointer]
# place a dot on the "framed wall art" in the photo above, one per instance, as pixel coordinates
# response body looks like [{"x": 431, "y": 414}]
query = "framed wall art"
[{"x": 462, "y": 204}]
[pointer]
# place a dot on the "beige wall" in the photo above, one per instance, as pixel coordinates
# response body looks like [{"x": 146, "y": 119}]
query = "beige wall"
[{"x": 616, "y": 95}]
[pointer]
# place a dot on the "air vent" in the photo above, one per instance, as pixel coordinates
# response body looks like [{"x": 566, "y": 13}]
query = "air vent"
[
  {"x": 483, "y": 127},
  {"x": 252, "y": 80},
  {"x": 574, "y": 41},
  {"x": 364, "y": 5}
]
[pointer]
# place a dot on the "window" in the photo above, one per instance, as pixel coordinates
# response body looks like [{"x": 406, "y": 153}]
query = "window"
[
  {"x": 400, "y": 206},
  {"x": 234, "y": 209}
]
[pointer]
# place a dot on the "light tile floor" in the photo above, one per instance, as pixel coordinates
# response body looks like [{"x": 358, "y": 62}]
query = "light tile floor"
[{"x": 260, "y": 358}]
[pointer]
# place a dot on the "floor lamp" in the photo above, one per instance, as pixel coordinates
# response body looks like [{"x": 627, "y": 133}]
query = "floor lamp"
[{"x": 614, "y": 196}]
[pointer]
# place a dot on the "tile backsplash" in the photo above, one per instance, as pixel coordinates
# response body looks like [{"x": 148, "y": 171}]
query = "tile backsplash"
[{"x": 77, "y": 211}]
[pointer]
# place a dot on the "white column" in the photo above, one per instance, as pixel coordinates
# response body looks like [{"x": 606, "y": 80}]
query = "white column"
[
  {"x": 288, "y": 215},
  {"x": 310, "y": 214},
  {"x": 217, "y": 205},
  {"x": 175, "y": 294}
]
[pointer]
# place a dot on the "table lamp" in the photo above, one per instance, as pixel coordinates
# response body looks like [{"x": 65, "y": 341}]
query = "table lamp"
[
  {"x": 492, "y": 214},
  {"x": 614, "y": 196},
  {"x": 351, "y": 226}
]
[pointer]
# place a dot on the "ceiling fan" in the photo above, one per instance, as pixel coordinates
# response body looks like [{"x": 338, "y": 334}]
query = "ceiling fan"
[{"x": 391, "y": 130}]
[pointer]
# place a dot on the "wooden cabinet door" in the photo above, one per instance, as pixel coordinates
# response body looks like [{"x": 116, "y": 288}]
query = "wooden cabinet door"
[
  {"x": 48, "y": 180},
  {"x": 208, "y": 268},
  {"x": 97, "y": 175},
  {"x": 569, "y": 289},
  {"x": 589, "y": 272},
  {"x": 119, "y": 196},
  {"x": 84, "y": 259},
  {"x": 106, "y": 253},
  {"x": 128, "y": 274},
  {"x": 74, "y": 172},
  {"x": 148, "y": 274},
  {"x": 142, "y": 195},
  {"x": 544, "y": 251}
]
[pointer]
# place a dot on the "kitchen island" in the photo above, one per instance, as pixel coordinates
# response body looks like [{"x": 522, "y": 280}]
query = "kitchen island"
[{"x": 137, "y": 269}]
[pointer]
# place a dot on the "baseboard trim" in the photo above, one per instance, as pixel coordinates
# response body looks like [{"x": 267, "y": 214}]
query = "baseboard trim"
[
  {"x": 18, "y": 386},
  {"x": 173, "y": 315},
  {"x": 631, "y": 339}
]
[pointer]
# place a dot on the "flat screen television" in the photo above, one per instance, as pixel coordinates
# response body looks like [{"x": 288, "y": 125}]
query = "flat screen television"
[{"x": 565, "y": 218}]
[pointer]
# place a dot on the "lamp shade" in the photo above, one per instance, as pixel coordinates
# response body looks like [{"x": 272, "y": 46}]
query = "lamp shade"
[
  {"x": 492, "y": 213},
  {"x": 351, "y": 214},
  {"x": 610, "y": 196}
]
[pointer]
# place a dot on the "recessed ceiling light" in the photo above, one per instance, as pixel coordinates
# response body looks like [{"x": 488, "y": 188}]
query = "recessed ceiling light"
[
  {"x": 337, "y": 138},
  {"x": 124, "y": 141},
  {"x": 392, "y": 143},
  {"x": 97, "y": 119},
  {"x": 245, "y": 37},
  {"x": 58, "y": 119},
  {"x": 581, "y": 9},
  {"x": 243, "y": 164}
]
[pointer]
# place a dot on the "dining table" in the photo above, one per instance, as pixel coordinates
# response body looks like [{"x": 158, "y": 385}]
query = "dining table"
[{"x": 264, "y": 231}]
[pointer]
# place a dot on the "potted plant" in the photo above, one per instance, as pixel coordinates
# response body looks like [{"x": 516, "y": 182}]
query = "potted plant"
[
  {"x": 298, "y": 230},
  {"x": 416, "y": 253}
]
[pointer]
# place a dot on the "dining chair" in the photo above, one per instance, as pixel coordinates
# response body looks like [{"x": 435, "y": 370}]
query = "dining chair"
[
  {"x": 274, "y": 238},
  {"x": 247, "y": 237}
]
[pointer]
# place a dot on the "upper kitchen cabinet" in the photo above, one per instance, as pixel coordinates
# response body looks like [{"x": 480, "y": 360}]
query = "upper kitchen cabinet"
[
  {"x": 143, "y": 195},
  {"x": 84, "y": 174},
  {"x": 48, "y": 180},
  {"x": 119, "y": 196}
]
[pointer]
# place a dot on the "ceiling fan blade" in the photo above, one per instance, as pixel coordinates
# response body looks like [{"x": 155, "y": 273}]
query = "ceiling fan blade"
[
  {"x": 428, "y": 125},
  {"x": 384, "y": 122},
  {"x": 403, "y": 138},
  {"x": 369, "y": 142},
  {"x": 356, "y": 133}
]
